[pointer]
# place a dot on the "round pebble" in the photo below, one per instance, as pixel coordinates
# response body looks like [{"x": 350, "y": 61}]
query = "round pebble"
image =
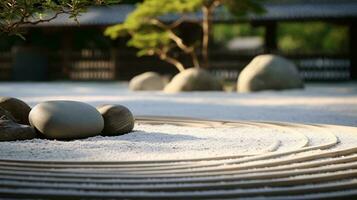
[{"x": 118, "y": 119}]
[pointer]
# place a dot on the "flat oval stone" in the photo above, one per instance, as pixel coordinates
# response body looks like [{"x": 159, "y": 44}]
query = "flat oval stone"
[{"x": 66, "y": 119}]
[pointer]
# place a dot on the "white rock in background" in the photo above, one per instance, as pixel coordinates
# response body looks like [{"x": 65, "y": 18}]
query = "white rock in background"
[
  {"x": 269, "y": 72},
  {"x": 66, "y": 119},
  {"x": 147, "y": 81},
  {"x": 193, "y": 79}
]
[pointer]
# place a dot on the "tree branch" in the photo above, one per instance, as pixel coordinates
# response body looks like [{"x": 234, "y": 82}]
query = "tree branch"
[
  {"x": 165, "y": 57},
  {"x": 174, "y": 24},
  {"x": 22, "y": 21},
  {"x": 187, "y": 49}
]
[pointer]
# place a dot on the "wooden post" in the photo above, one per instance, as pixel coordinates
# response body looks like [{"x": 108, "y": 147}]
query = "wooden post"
[
  {"x": 113, "y": 59},
  {"x": 352, "y": 50},
  {"x": 270, "y": 37}
]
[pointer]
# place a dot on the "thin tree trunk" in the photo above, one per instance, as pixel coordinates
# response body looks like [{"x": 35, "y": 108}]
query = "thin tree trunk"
[
  {"x": 207, "y": 12},
  {"x": 206, "y": 29},
  {"x": 187, "y": 49},
  {"x": 195, "y": 61},
  {"x": 179, "y": 66}
]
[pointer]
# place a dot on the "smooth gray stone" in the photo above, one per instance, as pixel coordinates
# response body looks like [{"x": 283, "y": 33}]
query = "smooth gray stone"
[
  {"x": 147, "y": 81},
  {"x": 118, "y": 119},
  {"x": 17, "y": 108},
  {"x": 269, "y": 72},
  {"x": 193, "y": 79},
  {"x": 66, "y": 119}
]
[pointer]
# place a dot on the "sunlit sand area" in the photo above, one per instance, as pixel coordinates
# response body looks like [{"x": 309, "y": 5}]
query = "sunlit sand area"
[{"x": 317, "y": 103}]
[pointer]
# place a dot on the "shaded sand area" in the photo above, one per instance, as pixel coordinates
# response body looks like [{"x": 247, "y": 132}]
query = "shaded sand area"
[{"x": 317, "y": 103}]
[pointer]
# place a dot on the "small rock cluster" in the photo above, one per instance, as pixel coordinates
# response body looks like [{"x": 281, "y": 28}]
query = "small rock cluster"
[
  {"x": 191, "y": 79},
  {"x": 62, "y": 120},
  {"x": 264, "y": 72}
]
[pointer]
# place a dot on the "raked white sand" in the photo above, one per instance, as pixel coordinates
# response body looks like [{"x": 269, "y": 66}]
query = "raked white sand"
[
  {"x": 317, "y": 103},
  {"x": 158, "y": 142}
]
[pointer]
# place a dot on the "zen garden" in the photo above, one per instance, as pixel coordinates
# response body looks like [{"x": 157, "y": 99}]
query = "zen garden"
[{"x": 178, "y": 99}]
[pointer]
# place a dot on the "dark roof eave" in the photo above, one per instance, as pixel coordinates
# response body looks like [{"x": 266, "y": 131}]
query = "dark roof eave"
[{"x": 338, "y": 11}]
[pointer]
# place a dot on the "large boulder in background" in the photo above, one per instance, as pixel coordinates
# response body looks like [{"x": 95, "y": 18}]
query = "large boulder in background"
[
  {"x": 269, "y": 72},
  {"x": 193, "y": 79},
  {"x": 66, "y": 120},
  {"x": 147, "y": 81},
  {"x": 17, "y": 108}
]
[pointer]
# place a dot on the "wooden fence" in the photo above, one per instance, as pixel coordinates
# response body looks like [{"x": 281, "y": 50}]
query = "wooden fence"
[
  {"x": 97, "y": 65},
  {"x": 311, "y": 67},
  {"x": 81, "y": 65},
  {"x": 5, "y": 66}
]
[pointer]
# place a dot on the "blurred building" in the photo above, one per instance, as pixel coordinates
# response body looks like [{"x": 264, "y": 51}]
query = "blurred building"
[{"x": 62, "y": 49}]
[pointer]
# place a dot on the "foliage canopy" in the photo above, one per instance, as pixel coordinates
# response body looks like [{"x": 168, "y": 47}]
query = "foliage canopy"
[
  {"x": 293, "y": 37},
  {"x": 16, "y": 13},
  {"x": 153, "y": 32}
]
